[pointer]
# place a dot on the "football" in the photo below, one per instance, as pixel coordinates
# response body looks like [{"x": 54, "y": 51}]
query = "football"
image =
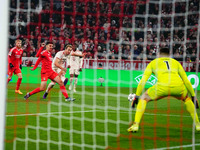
[{"x": 131, "y": 97}]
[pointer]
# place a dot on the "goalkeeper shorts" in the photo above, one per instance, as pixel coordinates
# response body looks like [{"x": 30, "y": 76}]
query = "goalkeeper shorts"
[{"x": 159, "y": 91}]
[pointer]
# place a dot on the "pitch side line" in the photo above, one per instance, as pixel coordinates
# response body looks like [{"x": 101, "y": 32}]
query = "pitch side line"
[
  {"x": 176, "y": 147},
  {"x": 38, "y": 114}
]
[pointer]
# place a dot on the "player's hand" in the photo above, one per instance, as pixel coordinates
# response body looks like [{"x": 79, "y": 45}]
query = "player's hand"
[
  {"x": 134, "y": 99},
  {"x": 43, "y": 44},
  {"x": 68, "y": 66},
  {"x": 20, "y": 66},
  {"x": 11, "y": 65},
  {"x": 80, "y": 69},
  {"x": 195, "y": 101}
]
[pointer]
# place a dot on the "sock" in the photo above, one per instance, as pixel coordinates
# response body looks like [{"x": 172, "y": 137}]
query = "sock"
[
  {"x": 71, "y": 80},
  {"x": 140, "y": 110},
  {"x": 8, "y": 80},
  {"x": 50, "y": 86},
  {"x": 65, "y": 81},
  {"x": 18, "y": 83},
  {"x": 64, "y": 91},
  {"x": 191, "y": 109},
  {"x": 75, "y": 82},
  {"x": 34, "y": 91}
]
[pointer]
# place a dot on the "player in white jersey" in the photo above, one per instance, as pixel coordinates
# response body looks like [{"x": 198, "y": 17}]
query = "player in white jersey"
[
  {"x": 75, "y": 65},
  {"x": 58, "y": 65}
]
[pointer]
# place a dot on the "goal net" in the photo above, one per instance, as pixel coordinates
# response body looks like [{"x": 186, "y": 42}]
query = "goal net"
[{"x": 120, "y": 38}]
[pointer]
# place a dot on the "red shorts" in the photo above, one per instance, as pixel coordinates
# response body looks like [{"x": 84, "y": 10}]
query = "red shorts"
[
  {"x": 13, "y": 70},
  {"x": 48, "y": 75}
]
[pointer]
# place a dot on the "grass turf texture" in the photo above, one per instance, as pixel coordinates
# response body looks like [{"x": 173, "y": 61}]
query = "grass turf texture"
[{"x": 60, "y": 124}]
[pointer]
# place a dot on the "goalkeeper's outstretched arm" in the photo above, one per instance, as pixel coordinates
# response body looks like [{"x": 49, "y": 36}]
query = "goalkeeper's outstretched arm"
[{"x": 145, "y": 77}]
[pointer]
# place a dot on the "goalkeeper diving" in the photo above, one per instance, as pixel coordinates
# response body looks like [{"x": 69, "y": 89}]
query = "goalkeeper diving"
[{"x": 172, "y": 81}]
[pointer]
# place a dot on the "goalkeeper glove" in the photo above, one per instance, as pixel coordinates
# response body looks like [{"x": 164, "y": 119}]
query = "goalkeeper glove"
[
  {"x": 195, "y": 101},
  {"x": 135, "y": 101},
  {"x": 11, "y": 65},
  {"x": 20, "y": 66}
]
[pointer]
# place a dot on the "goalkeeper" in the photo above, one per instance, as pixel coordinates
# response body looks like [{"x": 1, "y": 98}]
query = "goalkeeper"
[{"x": 172, "y": 81}]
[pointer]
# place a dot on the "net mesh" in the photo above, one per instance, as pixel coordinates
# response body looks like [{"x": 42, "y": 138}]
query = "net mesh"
[{"x": 120, "y": 38}]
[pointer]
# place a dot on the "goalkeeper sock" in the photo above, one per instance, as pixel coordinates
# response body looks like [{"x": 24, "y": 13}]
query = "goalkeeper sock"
[
  {"x": 35, "y": 91},
  {"x": 18, "y": 83},
  {"x": 140, "y": 110},
  {"x": 191, "y": 109},
  {"x": 8, "y": 80},
  {"x": 50, "y": 86},
  {"x": 64, "y": 91}
]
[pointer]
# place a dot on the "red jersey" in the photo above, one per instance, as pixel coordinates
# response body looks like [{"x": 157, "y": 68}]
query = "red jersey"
[
  {"x": 15, "y": 56},
  {"x": 46, "y": 59}
]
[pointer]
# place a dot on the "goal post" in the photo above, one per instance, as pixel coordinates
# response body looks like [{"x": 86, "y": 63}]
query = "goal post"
[{"x": 3, "y": 57}]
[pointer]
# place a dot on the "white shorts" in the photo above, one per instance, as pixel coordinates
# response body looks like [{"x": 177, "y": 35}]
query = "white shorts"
[
  {"x": 74, "y": 71},
  {"x": 58, "y": 71}
]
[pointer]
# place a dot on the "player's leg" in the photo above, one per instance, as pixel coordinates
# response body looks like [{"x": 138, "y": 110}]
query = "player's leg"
[
  {"x": 75, "y": 82},
  {"x": 190, "y": 107},
  {"x": 62, "y": 88},
  {"x": 62, "y": 76},
  {"x": 10, "y": 73},
  {"x": 9, "y": 78},
  {"x": 37, "y": 90},
  {"x": 49, "y": 87},
  {"x": 139, "y": 111},
  {"x": 19, "y": 75},
  {"x": 71, "y": 72}
]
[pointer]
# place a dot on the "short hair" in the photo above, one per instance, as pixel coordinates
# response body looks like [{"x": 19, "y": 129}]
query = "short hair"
[
  {"x": 68, "y": 45},
  {"x": 164, "y": 50},
  {"x": 49, "y": 42},
  {"x": 18, "y": 40}
]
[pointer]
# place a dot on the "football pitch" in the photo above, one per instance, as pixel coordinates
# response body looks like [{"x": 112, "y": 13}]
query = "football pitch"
[{"x": 98, "y": 119}]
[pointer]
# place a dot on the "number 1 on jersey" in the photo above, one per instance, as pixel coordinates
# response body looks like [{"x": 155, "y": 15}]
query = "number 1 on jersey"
[{"x": 167, "y": 63}]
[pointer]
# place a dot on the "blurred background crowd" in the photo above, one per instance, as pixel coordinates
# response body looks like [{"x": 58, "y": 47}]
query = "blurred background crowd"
[{"x": 108, "y": 29}]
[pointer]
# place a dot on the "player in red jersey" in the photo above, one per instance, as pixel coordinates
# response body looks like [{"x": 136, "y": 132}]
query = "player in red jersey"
[
  {"x": 47, "y": 72},
  {"x": 15, "y": 64}
]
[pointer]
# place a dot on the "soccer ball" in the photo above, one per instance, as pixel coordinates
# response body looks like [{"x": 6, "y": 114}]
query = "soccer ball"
[{"x": 131, "y": 97}]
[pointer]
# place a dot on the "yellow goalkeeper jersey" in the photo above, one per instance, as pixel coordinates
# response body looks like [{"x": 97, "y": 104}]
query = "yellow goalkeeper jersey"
[{"x": 168, "y": 71}]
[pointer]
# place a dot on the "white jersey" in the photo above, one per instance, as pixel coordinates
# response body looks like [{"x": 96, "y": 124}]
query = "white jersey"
[
  {"x": 75, "y": 62},
  {"x": 62, "y": 60}
]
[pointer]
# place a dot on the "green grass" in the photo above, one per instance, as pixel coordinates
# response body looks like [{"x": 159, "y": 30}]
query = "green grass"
[{"x": 98, "y": 119}]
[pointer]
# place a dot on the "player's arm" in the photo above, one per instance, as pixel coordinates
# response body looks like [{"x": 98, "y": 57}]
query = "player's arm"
[
  {"x": 20, "y": 66},
  {"x": 56, "y": 63},
  {"x": 76, "y": 54},
  {"x": 187, "y": 83},
  {"x": 145, "y": 77},
  {"x": 37, "y": 63},
  {"x": 81, "y": 64},
  {"x": 135, "y": 97},
  {"x": 10, "y": 58},
  {"x": 40, "y": 50}
]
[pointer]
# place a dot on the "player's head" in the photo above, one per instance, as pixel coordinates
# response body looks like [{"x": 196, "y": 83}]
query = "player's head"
[
  {"x": 18, "y": 43},
  {"x": 68, "y": 49},
  {"x": 164, "y": 50},
  {"x": 49, "y": 46}
]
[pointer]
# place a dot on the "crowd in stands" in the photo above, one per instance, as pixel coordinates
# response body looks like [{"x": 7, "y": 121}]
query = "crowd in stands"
[{"x": 131, "y": 30}]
